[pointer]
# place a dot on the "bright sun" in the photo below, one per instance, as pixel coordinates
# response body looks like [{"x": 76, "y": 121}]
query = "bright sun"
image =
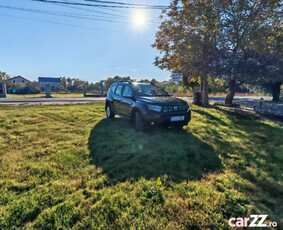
[{"x": 139, "y": 19}]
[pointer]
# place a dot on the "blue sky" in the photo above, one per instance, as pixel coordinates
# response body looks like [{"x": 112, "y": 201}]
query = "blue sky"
[{"x": 33, "y": 44}]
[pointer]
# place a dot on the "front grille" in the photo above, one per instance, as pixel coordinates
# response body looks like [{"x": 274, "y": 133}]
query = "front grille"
[{"x": 174, "y": 108}]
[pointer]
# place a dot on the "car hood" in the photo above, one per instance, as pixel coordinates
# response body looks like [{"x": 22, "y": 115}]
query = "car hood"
[{"x": 161, "y": 100}]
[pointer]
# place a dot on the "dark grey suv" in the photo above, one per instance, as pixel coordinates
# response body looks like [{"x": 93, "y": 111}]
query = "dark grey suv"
[{"x": 146, "y": 105}]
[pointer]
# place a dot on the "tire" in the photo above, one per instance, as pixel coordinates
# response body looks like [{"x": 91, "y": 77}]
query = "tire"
[
  {"x": 139, "y": 123},
  {"x": 109, "y": 112}
]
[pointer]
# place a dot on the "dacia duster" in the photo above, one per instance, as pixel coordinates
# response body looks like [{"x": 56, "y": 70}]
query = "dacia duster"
[{"x": 146, "y": 105}]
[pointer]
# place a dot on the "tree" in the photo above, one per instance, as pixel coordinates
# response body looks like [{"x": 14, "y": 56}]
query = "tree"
[
  {"x": 267, "y": 53},
  {"x": 171, "y": 88},
  {"x": 263, "y": 69},
  {"x": 94, "y": 86},
  {"x": 4, "y": 76},
  {"x": 187, "y": 40},
  {"x": 209, "y": 38},
  {"x": 69, "y": 83},
  {"x": 32, "y": 87},
  {"x": 109, "y": 81},
  {"x": 64, "y": 84},
  {"x": 240, "y": 21},
  {"x": 154, "y": 81},
  {"x": 78, "y": 84}
]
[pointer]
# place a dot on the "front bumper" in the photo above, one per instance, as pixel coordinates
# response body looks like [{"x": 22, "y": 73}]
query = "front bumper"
[{"x": 154, "y": 119}]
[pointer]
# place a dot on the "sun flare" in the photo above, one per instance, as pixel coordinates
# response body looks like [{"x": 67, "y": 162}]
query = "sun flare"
[{"x": 139, "y": 19}]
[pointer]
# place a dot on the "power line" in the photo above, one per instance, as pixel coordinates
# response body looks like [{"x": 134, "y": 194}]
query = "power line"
[
  {"x": 74, "y": 5},
  {"x": 152, "y": 19},
  {"x": 94, "y": 11},
  {"x": 70, "y": 5},
  {"x": 113, "y": 5},
  {"x": 71, "y": 15},
  {"x": 122, "y": 11},
  {"x": 102, "y": 12},
  {"x": 59, "y": 23},
  {"x": 126, "y": 4},
  {"x": 90, "y": 10}
]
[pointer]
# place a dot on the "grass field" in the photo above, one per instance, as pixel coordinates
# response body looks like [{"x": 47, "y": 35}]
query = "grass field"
[{"x": 65, "y": 167}]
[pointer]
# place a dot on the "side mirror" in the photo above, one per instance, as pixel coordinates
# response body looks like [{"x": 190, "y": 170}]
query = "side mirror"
[{"x": 170, "y": 94}]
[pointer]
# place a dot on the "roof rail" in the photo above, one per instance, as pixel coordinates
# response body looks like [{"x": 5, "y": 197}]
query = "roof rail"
[{"x": 127, "y": 81}]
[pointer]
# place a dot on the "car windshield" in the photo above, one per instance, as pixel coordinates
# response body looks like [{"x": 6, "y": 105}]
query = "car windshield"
[{"x": 149, "y": 90}]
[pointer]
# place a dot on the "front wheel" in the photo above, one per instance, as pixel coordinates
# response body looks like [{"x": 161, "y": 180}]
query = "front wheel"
[
  {"x": 139, "y": 123},
  {"x": 109, "y": 112}
]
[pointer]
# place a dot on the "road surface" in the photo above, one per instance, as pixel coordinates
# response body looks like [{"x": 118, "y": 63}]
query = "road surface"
[{"x": 50, "y": 101}]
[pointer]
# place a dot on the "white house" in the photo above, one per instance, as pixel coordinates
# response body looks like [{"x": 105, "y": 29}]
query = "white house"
[{"x": 19, "y": 79}]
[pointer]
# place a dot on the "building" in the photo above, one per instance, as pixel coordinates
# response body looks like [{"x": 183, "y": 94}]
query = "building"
[
  {"x": 55, "y": 83},
  {"x": 19, "y": 79}
]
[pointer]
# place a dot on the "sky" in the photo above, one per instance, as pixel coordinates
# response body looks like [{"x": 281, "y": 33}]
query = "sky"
[{"x": 117, "y": 42}]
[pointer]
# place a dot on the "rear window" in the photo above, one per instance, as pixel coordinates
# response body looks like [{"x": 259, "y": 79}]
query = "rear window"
[
  {"x": 112, "y": 88},
  {"x": 119, "y": 89}
]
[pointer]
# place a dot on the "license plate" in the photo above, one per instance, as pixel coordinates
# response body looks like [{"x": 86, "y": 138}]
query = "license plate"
[{"x": 177, "y": 118}]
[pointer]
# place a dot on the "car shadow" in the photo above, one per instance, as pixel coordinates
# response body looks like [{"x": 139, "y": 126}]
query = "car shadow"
[{"x": 125, "y": 154}]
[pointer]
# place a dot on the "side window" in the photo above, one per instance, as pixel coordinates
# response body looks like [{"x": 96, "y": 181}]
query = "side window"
[
  {"x": 127, "y": 91},
  {"x": 119, "y": 89},
  {"x": 112, "y": 89}
]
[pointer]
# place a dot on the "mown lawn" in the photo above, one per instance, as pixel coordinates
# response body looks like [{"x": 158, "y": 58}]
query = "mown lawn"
[{"x": 65, "y": 167}]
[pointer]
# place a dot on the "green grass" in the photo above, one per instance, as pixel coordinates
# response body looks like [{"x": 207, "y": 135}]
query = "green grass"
[{"x": 68, "y": 167}]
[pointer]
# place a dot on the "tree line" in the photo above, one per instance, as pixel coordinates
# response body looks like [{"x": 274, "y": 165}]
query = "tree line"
[
  {"x": 76, "y": 85},
  {"x": 239, "y": 41},
  {"x": 68, "y": 85}
]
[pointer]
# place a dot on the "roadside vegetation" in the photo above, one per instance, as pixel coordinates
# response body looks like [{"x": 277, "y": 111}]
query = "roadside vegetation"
[
  {"x": 74, "y": 87},
  {"x": 68, "y": 166}
]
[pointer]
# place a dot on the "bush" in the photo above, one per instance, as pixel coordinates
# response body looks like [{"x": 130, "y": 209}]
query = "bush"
[{"x": 19, "y": 88}]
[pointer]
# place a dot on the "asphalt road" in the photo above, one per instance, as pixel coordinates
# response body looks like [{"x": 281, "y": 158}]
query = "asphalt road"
[
  {"x": 82, "y": 99},
  {"x": 50, "y": 101},
  {"x": 46, "y": 101}
]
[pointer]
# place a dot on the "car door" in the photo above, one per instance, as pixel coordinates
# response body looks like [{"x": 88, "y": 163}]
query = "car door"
[
  {"x": 127, "y": 100},
  {"x": 117, "y": 99}
]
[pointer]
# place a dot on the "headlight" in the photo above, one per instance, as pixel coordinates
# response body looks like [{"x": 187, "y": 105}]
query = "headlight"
[{"x": 156, "y": 108}]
